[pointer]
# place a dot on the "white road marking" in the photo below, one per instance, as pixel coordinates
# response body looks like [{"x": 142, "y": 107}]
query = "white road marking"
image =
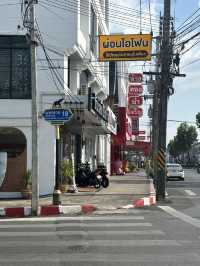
[
  {"x": 89, "y": 243},
  {"x": 70, "y": 218},
  {"x": 85, "y": 225},
  {"x": 189, "y": 258},
  {"x": 82, "y": 233},
  {"x": 190, "y": 192},
  {"x": 186, "y": 218}
]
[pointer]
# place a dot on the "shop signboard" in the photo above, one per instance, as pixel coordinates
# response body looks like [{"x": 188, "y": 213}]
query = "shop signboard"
[
  {"x": 135, "y": 100},
  {"x": 125, "y": 47},
  {"x": 136, "y": 112},
  {"x": 139, "y": 146},
  {"x": 135, "y": 89},
  {"x": 135, "y": 77}
]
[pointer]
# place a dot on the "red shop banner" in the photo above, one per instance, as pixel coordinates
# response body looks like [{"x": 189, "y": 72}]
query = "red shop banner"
[
  {"x": 135, "y": 112},
  {"x": 135, "y": 100},
  {"x": 135, "y": 77},
  {"x": 135, "y": 89}
]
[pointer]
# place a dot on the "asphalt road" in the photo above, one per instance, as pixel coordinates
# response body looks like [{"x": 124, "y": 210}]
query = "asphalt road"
[
  {"x": 185, "y": 195},
  {"x": 164, "y": 235}
]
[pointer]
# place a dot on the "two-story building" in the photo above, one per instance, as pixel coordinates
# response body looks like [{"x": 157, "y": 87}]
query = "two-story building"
[{"x": 70, "y": 70}]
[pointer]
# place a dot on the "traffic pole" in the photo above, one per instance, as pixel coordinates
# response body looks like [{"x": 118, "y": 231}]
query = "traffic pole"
[{"x": 35, "y": 184}]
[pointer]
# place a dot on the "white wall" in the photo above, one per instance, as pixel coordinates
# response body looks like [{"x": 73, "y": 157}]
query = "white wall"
[{"x": 47, "y": 146}]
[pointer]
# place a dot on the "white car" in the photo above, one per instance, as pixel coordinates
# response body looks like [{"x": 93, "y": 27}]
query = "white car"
[{"x": 174, "y": 170}]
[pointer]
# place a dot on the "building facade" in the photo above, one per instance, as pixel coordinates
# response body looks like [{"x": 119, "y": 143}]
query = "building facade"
[{"x": 71, "y": 72}]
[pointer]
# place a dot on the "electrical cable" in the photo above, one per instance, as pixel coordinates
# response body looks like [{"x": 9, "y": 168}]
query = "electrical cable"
[
  {"x": 150, "y": 19},
  {"x": 140, "y": 16},
  {"x": 85, "y": 12},
  {"x": 182, "y": 25}
]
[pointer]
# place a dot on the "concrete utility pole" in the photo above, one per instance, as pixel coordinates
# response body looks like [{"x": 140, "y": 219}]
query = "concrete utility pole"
[
  {"x": 165, "y": 81},
  {"x": 35, "y": 185},
  {"x": 155, "y": 120}
]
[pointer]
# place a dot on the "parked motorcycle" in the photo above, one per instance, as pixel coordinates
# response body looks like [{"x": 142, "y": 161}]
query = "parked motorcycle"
[
  {"x": 86, "y": 177},
  {"x": 102, "y": 172}
]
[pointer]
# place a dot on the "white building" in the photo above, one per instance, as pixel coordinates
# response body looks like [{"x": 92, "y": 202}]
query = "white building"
[{"x": 70, "y": 38}]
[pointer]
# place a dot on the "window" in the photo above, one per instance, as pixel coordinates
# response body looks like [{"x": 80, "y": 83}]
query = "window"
[{"x": 15, "y": 68}]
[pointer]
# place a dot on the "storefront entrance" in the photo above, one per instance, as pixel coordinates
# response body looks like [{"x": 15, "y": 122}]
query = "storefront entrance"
[{"x": 13, "y": 159}]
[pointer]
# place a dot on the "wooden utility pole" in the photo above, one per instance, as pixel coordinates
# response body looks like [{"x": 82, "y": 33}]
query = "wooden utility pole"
[
  {"x": 164, "y": 83},
  {"x": 35, "y": 184}
]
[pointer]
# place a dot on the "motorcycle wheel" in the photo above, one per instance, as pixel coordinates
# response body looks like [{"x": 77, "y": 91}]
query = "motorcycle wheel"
[
  {"x": 97, "y": 184},
  {"x": 105, "y": 182}
]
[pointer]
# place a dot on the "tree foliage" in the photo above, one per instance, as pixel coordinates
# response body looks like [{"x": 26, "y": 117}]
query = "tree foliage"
[
  {"x": 198, "y": 120},
  {"x": 182, "y": 142},
  {"x": 172, "y": 147}
]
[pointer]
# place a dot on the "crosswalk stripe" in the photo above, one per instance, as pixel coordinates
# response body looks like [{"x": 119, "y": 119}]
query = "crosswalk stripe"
[
  {"x": 78, "y": 218},
  {"x": 87, "y": 225},
  {"x": 82, "y": 233},
  {"x": 89, "y": 243},
  {"x": 176, "y": 259}
]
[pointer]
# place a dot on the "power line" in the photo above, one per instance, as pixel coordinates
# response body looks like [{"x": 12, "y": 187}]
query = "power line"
[
  {"x": 114, "y": 16},
  {"x": 181, "y": 121},
  {"x": 182, "y": 25}
]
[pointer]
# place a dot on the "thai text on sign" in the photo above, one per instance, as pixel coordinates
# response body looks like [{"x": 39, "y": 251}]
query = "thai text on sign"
[{"x": 126, "y": 47}]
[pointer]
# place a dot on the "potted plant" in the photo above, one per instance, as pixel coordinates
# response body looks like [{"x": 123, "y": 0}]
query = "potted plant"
[
  {"x": 66, "y": 175},
  {"x": 27, "y": 182}
]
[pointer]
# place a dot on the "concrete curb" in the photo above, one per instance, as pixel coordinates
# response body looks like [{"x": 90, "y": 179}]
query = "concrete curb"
[{"x": 50, "y": 210}]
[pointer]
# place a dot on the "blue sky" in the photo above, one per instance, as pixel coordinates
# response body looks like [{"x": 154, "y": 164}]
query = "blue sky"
[{"x": 185, "y": 103}]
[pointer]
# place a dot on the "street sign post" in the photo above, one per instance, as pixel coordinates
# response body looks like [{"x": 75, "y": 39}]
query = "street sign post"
[{"x": 57, "y": 117}]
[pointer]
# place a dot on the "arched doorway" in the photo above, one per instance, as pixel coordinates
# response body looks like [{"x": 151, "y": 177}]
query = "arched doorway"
[{"x": 13, "y": 159}]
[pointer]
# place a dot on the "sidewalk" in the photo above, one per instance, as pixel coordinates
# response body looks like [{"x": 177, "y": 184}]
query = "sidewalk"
[{"x": 129, "y": 191}]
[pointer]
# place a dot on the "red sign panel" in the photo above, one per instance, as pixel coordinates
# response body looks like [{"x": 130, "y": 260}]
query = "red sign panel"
[
  {"x": 135, "y": 112},
  {"x": 140, "y": 145},
  {"x": 135, "y": 89},
  {"x": 135, "y": 100},
  {"x": 135, "y": 77}
]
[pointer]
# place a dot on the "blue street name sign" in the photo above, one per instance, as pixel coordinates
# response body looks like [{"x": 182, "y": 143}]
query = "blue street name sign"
[{"x": 57, "y": 115}]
